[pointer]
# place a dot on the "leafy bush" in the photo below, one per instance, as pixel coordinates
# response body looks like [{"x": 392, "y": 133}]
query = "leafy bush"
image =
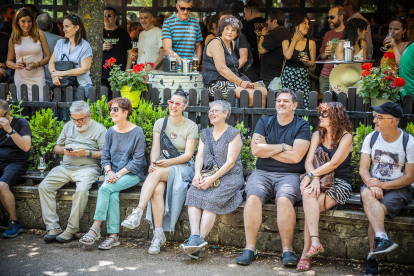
[
  {"x": 45, "y": 132},
  {"x": 100, "y": 113},
  {"x": 359, "y": 136},
  {"x": 410, "y": 128},
  {"x": 247, "y": 158}
]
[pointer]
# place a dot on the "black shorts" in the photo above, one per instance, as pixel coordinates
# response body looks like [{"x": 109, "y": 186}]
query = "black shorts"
[
  {"x": 11, "y": 172},
  {"x": 395, "y": 200}
]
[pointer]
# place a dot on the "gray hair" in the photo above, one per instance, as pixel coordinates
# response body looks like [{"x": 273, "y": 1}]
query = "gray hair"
[
  {"x": 44, "y": 21},
  {"x": 4, "y": 106},
  {"x": 80, "y": 107},
  {"x": 186, "y": 1},
  {"x": 288, "y": 91},
  {"x": 146, "y": 10},
  {"x": 225, "y": 105}
]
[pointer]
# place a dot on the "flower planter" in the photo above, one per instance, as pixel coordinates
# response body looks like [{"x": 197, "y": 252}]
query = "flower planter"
[
  {"x": 378, "y": 102},
  {"x": 133, "y": 96}
]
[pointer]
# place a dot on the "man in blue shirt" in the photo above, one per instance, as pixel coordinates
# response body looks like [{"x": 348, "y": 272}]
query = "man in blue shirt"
[{"x": 181, "y": 33}]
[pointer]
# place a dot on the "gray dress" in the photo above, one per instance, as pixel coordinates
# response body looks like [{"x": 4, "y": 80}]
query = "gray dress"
[{"x": 227, "y": 197}]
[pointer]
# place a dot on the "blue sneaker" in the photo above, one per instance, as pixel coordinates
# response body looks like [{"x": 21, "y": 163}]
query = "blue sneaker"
[{"x": 13, "y": 229}]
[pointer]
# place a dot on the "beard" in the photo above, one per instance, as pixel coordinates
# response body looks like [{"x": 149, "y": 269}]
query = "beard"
[
  {"x": 85, "y": 126},
  {"x": 335, "y": 24}
]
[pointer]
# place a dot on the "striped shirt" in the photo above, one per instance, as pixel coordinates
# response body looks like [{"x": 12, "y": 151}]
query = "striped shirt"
[{"x": 184, "y": 35}]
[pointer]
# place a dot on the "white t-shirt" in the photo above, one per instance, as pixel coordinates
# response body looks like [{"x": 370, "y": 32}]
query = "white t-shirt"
[
  {"x": 388, "y": 158},
  {"x": 149, "y": 45}
]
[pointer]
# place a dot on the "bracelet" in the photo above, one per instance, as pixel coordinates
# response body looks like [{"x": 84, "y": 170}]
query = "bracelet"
[
  {"x": 108, "y": 171},
  {"x": 90, "y": 154},
  {"x": 310, "y": 175},
  {"x": 241, "y": 82},
  {"x": 283, "y": 147}
]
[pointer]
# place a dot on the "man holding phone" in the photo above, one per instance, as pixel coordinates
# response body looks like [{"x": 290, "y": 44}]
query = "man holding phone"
[{"x": 80, "y": 142}]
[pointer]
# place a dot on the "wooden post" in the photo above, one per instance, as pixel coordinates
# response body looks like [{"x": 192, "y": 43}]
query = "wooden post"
[{"x": 92, "y": 15}]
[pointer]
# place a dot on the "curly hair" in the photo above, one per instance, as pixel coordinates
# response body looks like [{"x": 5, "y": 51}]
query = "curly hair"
[
  {"x": 352, "y": 27},
  {"x": 339, "y": 121}
]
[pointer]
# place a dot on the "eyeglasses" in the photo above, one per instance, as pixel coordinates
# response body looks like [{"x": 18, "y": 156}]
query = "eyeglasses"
[
  {"x": 114, "y": 109},
  {"x": 177, "y": 104},
  {"x": 323, "y": 115},
  {"x": 411, "y": 15},
  {"x": 378, "y": 118},
  {"x": 108, "y": 15},
  {"x": 79, "y": 121},
  {"x": 214, "y": 111},
  {"x": 332, "y": 17},
  {"x": 183, "y": 9}
]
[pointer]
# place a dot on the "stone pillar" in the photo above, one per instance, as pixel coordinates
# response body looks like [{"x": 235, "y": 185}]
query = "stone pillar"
[{"x": 91, "y": 13}]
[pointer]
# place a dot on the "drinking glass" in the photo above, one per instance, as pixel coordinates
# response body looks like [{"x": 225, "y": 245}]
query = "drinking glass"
[
  {"x": 302, "y": 55},
  {"x": 196, "y": 63},
  {"x": 383, "y": 48},
  {"x": 41, "y": 166}
]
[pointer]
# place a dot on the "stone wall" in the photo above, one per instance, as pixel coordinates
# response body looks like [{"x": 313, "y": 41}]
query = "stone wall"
[{"x": 343, "y": 234}]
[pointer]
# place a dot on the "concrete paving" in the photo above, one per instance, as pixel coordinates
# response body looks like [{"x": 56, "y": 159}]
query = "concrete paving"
[{"x": 28, "y": 254}]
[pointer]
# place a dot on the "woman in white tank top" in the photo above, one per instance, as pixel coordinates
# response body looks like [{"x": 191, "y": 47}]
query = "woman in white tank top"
[{"x": 354, "y": 32}]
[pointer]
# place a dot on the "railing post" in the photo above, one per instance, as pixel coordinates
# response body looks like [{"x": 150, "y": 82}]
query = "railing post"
[
  {"x": 257, "y": 103},
  {"x": 192, "y": 101},
  {"x": 244, "y": 103},
  {"x": 231, "y": 98},
  {"x": 205, "y": 98},
  {"x": 407, "y": 108},
  {"x": 2, "y": 91},
  {"x": 313, "y": 104}
]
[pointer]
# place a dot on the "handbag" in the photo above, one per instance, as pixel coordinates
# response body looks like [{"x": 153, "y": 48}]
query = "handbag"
[
  {"x": 212, "y": 167},
  {"x": 64, "y": 65},
  {"x": 276, "y": 83},
  {"x": 167, "y": 148}
]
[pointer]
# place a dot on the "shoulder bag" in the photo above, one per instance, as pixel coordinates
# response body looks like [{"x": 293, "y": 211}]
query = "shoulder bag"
[
  {"x": 212, "y": 167},
  {"x": 167, "y": 148},
  {"x": 64, "y": 65},
  {"x": 276, "y": 83}
]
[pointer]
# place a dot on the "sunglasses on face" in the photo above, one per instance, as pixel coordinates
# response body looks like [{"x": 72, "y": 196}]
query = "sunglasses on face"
[
  {"x": 114, "y": 109},
  {"x": 108, "y": 15},
  {"x": 332, "y": 17},
  {"x": 183, "y": 9},
  {"x": 323, "y": 115},
  {"x": 177, "y": 104}
]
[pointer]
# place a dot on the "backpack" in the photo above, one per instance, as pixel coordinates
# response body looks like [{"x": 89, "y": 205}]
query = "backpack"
[{"x": 406, "y": 137}]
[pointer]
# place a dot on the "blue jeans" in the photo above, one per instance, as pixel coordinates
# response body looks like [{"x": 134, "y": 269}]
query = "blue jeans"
[
  {"x": 64, "y": 113},
  {"x": 107, "y": 204}
]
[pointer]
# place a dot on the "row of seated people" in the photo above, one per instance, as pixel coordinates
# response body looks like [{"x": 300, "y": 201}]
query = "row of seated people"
[{"x": 212, "y": 183}]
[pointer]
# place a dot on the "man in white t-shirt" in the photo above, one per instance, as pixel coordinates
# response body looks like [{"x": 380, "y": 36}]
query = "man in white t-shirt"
[
  {"x": 150, "y": 47},
  {"x": 387, "y": 186}
]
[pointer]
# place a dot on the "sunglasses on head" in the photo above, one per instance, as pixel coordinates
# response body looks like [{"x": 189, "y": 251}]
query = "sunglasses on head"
[
  {"x": 399, "y": 17},
  {"x": 108, "y": 15},
  {"x": 183, "y": 9},
  {"x": 177, "y": 104},
  {"x": 114, "y": 109}
]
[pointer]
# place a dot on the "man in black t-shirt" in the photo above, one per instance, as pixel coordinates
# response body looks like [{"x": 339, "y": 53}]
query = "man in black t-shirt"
[
  {"x": 252, "y": 28},
  {"x": 280, "y": 142},
  {"x": 7, "y": 13},
  {"x": 15, "y": 143},
  {"x": 270, "y": 46},
  {"x": 117, "y": 44}
]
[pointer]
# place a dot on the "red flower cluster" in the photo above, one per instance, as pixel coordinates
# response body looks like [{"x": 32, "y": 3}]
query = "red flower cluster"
[
  {"x": 388, "y": 78},
  {"x": 365, "y": 73},
  {"x": 150, "y": 63},
  {"x": 399, "y": 82},
  {"x": 109, "y": 62},
  {"x": 389, "y": 55},
  {"x": 138, "y": 67},
  {"x": 366, "y": 66}
]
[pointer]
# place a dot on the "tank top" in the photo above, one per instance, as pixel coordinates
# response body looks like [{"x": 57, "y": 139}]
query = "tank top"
[
  {"x": 294, "y": 60},
  {"x": 343, "y": 171},
  {"x": 210, "y": 73}
]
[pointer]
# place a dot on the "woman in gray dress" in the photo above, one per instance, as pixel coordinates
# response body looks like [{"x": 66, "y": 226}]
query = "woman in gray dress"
[{"x": 205, "y": 201}]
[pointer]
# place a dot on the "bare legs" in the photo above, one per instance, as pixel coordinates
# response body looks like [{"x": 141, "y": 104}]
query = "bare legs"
[
  {"x": 157, "y": 204},
  {"x": 201, "y": 224},
  {"x": 252, "y": 220},
  {"x": 160, "y": 175},
  {"x": 8, "y": 201},
  {"x": 286, "y": 220},
  {"x": 312, "y": 207}
]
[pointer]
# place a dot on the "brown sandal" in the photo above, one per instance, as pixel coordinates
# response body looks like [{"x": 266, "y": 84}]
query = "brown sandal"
[{"x": 304, "y": 264}]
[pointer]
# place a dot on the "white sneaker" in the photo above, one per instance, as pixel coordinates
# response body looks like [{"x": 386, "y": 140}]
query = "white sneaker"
[
  {"x": 134, "y": 219},
  {"x": 156, "y": 243}
]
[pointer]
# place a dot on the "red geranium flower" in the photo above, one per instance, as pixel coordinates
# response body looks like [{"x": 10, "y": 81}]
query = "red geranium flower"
[
  {"x": 366, "y": 66},
  {"x": 399, "y": 82},
  {"x": 366, "y": 73},
  {"x": 388, "y": 78},
  {"x": 391, "y": 55}
]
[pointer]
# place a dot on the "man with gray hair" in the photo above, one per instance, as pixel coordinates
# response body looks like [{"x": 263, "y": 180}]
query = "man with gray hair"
[
  {"x": 45, "y": 24},
  {"x": 80, "y": 142}
]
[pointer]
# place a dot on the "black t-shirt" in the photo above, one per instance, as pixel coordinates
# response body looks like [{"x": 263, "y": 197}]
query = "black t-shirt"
[
  {"x": 9, "y": 151},
  {"x": 6, "y": 27},
  {"x": 121, "y": 43},
  {"x": 272, "y": 61},
  {"x": 253, "y": 29},
  {"x": 269, "y": 127},
  {"x": 243, "y": 43},
  {"x": 4, "y": 46}
]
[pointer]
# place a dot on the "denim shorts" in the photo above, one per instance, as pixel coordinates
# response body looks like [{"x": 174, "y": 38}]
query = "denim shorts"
[{"x": 11, "y": 172}]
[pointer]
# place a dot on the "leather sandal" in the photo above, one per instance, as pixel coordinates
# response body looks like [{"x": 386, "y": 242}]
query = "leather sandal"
[
  {"x": 314, "y": 251},
  {"x": 110, "y": 242},
  {"x": 304, "y": 264},
  {"x": 91, "y": 238}
]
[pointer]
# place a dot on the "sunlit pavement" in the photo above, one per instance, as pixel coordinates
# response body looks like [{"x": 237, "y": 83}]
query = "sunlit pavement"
[{"x": 28, "y": 254}]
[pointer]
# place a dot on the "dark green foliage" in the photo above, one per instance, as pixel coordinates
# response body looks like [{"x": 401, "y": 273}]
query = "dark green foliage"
[
  {"x": 247, "y": 158},
  {"x": 100, "y": 113}
]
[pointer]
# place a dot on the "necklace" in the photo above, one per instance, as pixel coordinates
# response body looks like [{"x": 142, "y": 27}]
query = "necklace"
[{"x": 110, "y": 32}]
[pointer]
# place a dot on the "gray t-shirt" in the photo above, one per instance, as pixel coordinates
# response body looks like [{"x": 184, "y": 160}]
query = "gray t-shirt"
[
  {"x": 125, "y": 150},
  {"x": 91, "y": 139}
]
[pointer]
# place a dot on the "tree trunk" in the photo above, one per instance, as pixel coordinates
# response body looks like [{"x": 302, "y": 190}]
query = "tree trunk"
[{"x": 91, "y": 13}]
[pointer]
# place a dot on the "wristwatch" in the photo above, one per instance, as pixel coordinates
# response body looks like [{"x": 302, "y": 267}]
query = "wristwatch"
[{"x": 11, "y": 133}]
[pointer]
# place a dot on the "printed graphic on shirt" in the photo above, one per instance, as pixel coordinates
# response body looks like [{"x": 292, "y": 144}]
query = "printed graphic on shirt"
[
  {"x": 385, "y": 163},
  {"x": 258, "y": 28},
  {"x": 111, "y": 40},
  {"x": 173, "y": 135}
]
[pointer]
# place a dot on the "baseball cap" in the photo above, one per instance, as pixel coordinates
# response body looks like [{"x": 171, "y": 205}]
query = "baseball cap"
[{"x": 389, "y": 108}]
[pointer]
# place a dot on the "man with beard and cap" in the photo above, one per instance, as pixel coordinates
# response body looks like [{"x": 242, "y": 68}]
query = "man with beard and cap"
[
  {"x": 336, "y": 19},
  {"x": 80, "y": 142}
]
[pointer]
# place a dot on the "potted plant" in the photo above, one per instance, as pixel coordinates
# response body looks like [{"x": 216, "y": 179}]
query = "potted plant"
[
  {"x": 380, "y": 84},
  {"x": 130, "y": 82}
]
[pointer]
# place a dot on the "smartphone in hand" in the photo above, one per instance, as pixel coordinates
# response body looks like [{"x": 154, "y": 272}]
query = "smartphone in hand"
[{"x": 68, "y": 148}]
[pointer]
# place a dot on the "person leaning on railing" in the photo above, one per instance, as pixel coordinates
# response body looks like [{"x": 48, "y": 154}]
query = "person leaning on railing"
[
  {"x": 220, "y": 64},
  {"x": 204, "y": 199},
  {"x": 26, "y": 48},
  {"x": 76, "y": 47}
]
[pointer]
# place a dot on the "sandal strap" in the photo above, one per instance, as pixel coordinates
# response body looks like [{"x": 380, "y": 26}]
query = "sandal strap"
[
  {"x": 94, "y": 230},
  {"x": 116, "y": 238},
  {"x": 90, "y": 237},
  {"x": 108, "y": 241}
]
